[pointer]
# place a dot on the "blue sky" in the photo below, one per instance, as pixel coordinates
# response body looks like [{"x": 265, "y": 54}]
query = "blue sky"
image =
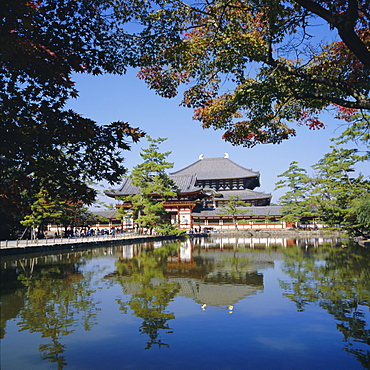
[{"x": 110, "y": 98}]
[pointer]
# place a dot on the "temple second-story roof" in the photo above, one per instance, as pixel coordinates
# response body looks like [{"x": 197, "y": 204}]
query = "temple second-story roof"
[
  {"x": 186, "y": 183},
  {"x": 109, "y": 214},
  {"x": 242, "y": 194},
  {"x": 216, "y": 168}
]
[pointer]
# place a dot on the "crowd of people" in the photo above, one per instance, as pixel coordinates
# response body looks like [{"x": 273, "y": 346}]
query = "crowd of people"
[{"x": 86, "y": 232}]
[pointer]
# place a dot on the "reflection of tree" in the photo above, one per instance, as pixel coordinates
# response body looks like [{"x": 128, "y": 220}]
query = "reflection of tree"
[
  {"x": 232, "y": 269},
  {"x": 11, "y": 299},
  {"x": 340, "y": 286},
  {"x": 55, "y": 297},
  {"x": 299, "y": 266},
  {"x": 146, "y": 271},
  {"x": 237, "y": 263}
]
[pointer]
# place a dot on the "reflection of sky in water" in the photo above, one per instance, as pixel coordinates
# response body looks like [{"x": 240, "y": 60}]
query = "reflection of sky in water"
[{"x": 262, "y": 330}]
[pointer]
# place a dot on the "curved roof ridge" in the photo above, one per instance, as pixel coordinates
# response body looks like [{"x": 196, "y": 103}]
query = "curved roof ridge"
[
  {"x": 217, "y": 168},
  {"x": 192, "y": 164},
  {"x": 123, "y": 183},
  {"x": 182, "y": 175},
  {"x": 244, "y": 168},
  {"x": 241, "y": 191}
]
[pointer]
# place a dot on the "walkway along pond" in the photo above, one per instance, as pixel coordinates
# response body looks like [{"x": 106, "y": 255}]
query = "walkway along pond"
[
  {"x": 216, "y": 302},
  {"x": 22, "y": 246},
  {"x": 8, "y": 247}
]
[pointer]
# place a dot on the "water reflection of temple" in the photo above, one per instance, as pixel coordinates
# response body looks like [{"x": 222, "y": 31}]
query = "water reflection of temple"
[
  {"x": 232, "y": 242},
  {"x": 218, "y": 271},
  {"x": 129, "y": 251},
  {"x": 207, "y": 278},
  {"x": 208, "y": 294}
]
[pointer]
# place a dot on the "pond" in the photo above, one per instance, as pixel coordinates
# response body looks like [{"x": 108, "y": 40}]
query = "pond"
[{"x": 214, "y": 303}]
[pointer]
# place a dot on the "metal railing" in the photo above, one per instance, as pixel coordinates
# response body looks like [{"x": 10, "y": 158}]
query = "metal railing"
[{"x": 57, "y": 240}]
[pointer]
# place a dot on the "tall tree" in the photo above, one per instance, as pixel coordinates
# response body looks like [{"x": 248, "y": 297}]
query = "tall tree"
[
  {"x": 154, "y": 186},
  {"x": 277, "y": 65},
  {"x": 297, "y": 202},
  {"x": 338, "y": 193},
  {"x": 43, "y": 210},
  {"x": 43, "y": 44},
  {"x": 341, "y": 193},
  {"x": 15, "y": 199},
  {"x": 337, "y": 190}
]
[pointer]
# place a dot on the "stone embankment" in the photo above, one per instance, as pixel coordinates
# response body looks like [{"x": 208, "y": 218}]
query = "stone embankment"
[{"x": 286, "y": 233}]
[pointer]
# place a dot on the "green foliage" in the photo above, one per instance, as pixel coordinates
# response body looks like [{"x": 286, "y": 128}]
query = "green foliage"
[
  {"x": 146, "y": 271},
  {"x": 43, "y": 44},
  {"x": 58, "y": 300},
  {"x": 167, "y": 229},
  {"x": 358, "y": 129},
  {"x": 336, "y": 190},
  {"x": 333, "y": 193},
  {"x": 297, "y": 202},
  {"x": 15, "y": 198},
  {"x": 335, "y": 279},
  {"x": 44, "y": 209},
  {"x": 361, "y": 211},
  {"x": 339, "y": 193}
]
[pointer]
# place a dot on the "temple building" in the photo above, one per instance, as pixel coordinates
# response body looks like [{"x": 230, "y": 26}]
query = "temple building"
[{"x": 204, "y": 187}]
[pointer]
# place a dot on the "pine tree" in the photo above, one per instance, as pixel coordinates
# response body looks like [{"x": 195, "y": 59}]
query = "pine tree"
[
  {"x": 155, "y": 187},
  {"x": 337, "y": 190},
  {"x": 297, "y": 202}
]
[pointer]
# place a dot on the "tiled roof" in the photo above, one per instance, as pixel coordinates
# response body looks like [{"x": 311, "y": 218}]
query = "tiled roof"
[
  {"x": 107, "y": 214},
  {"x": 204, "y": 292},
  {"x": 126, "y": 188},
  {"x": 185, "y": 183},
  {"x": 254, "y": 211},
  {"x": 216, "y": 168},
  {"x": 243, "y": 194},
  {"x": 216, "y": 295}
]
